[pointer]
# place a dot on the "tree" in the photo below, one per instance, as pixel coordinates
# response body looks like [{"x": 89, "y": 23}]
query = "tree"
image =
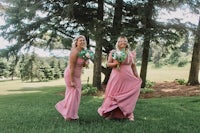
[
  {"x": 147, "y": 37},
  {"x": 98, "y": 50},
  {"x": 194, "y": 69},
  {"x": 3, "y": 68},
  {"x": 115, "y": 32},
  {"x": 29, "y": 68},
  {"x": 55, "y": 67},
  {"x": 155, "y": 31},
  {"x": 11, "y": 53}
]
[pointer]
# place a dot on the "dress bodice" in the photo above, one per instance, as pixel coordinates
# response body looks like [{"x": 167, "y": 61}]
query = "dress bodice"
[
  {"x": 78, "y": 67},
  {"x": 80, "y": 62}
]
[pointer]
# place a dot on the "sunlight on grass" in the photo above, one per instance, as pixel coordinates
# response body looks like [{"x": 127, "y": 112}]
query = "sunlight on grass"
[
  {"x": 167, "y": 73},
  {"x": 17, "y": 86}
]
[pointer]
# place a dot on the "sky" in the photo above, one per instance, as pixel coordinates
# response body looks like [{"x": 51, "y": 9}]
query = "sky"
[
  {"x": 185, "y": 15},
  {"x": 41, "y": 52},
  {"x": 164, "y": 15}
]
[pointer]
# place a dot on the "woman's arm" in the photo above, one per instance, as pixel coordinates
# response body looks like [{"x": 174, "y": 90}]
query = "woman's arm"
[
  {"x": 133, "y": 66},
  {"x": 72, "y": 59},
  {"x": 112, "y": 63}
]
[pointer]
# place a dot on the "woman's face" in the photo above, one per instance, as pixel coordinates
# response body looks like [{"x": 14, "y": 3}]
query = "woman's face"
[
  {"x": 81, "y": 42},
  {"x": 122, "y": 43}
]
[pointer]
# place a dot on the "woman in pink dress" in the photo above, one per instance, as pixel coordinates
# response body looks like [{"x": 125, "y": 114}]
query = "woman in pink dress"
[
  {"x": 68, "y": 107},
  {"x": 123, "y": 87}
]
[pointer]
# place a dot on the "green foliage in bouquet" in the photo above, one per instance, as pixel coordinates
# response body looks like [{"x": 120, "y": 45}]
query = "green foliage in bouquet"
[
  {"x": 120, "y": 56},
  {"x": 86, "y": 54}
]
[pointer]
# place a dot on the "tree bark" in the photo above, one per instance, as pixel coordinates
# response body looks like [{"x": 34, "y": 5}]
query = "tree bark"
[
  {"x": 194, "y": 69},
  {"x": 97, "y": 65},
  {"x": 145, "y": 56},
  {"x": 106, "y": 72},
  {"x": 116, "y": 29},
  {"x": 117, "y": 20},
  {"x": 98, "y": 49},
  {"x": 146, "y": 44}
]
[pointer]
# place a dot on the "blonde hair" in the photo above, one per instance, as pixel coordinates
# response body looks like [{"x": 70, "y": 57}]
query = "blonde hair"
[
  {"x": 117, "y": 43},
  {"x": 75, "y": 40},
  {"x": 127, "y": 49}
]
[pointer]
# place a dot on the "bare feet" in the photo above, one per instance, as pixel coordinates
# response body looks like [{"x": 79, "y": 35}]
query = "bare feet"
[{"x": 131, "y": 119}]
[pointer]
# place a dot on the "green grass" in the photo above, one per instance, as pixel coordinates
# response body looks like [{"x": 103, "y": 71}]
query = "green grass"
[
  {"x": 35, "y": 113},
  {"x": 29, "y": 108}
]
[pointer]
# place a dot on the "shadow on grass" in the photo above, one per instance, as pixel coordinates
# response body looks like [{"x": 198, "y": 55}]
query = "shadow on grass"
[{"x": 39, "y": 89}]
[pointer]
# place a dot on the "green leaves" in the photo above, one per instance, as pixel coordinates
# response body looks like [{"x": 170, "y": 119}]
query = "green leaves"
[
  {"x": 120, "y": 56},
  {"x": 86, "y": 54}
]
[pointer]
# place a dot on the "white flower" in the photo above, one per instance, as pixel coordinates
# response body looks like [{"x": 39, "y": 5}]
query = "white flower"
[{"x": 87, "y": 55}]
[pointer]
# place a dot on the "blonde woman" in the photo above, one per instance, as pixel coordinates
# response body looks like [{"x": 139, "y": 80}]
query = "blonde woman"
[
  {"x": 68, "y": 107},
  {"x": 123, "y": 87}
]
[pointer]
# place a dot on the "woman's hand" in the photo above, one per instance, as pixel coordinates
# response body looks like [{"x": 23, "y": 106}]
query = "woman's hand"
[
  {"x": 136, "y": 75},
  {"x": 73, "y": 84},
  {"x": 116, "y": 62}
]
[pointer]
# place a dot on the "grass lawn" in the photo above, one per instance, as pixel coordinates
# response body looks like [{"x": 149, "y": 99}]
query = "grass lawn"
[
  {"x": 29, "y": 108},
  {"x": 35, "y": 113}
]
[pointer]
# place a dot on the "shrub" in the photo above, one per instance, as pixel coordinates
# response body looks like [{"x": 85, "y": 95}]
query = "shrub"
[
  {"x": 146, "y": 90},
  {"x": 149, "y": 84},
  {"x": 88, "y": 89},
  {"x": 181, "y": 81},
  {"x": 182, "y": 63}
]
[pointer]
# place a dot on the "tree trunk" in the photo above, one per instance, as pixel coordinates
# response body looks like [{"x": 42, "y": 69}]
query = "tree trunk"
[
  {"x": 145, "y": 56},
  {"x": 194, "y": 69},
  {"x": 98, "y": 49},
  {"x": 106, "y": 72},
  {"x": 97, "y": 65},
  {"x": 146, "y": 45},
  {"x": 116, "y": 28},
  {"x": 117, "y": 18}
]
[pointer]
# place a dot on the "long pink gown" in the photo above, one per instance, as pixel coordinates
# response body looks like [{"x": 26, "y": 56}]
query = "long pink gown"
[
  {"x": 122, "y": 91},
  {"x": 68, "y": 107}
]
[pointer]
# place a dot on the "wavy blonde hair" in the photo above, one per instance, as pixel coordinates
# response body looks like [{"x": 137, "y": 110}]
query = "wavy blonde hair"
[
  {"x": 75, "y": 40},
  {"x": 117, "y": 43},
  {"x": 127, "y": 49}
]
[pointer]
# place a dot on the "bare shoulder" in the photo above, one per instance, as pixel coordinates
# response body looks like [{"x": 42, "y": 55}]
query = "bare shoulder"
[{"x": 74, "y": 52}]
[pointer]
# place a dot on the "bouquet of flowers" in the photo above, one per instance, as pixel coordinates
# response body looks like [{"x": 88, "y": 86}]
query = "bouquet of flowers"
[
  {"x": 86, "y": 54},
  {"x": 120, "y": 56}
]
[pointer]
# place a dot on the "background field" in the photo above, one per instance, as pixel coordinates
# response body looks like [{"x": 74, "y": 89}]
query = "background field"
[{"x": 166, "y": 73}]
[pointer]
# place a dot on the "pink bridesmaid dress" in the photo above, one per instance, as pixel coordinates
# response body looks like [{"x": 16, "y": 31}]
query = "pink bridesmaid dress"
[
  {"x": 68, "y": 107},
  {"x": 122, "y": 91}
]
